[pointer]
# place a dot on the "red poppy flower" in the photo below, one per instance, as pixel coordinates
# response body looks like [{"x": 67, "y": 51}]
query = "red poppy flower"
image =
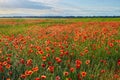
[
  {"x": 58, "y": 59},
  {"x": 51, "y": 69},
  {"x": 43, "y": 77},
  {"x": 37, "y": 79},
  {"x": 78, "y": 63},
  {"x": 118, "y": 62},
  {"x": 35, "y": 69},
  {"x": 83, "y": 74}
]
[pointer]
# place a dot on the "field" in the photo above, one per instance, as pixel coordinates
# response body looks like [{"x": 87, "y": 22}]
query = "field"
[{"x": 60, "y": 49}]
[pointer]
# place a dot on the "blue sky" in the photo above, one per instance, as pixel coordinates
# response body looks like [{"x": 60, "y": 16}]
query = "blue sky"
[{"x": 60, "y": 7}]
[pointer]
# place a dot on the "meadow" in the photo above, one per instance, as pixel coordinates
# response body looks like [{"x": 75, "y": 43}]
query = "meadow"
[{"x": 60, "y": 49}]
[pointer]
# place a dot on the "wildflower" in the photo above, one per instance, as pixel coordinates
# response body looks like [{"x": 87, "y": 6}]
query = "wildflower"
[
  {"x": 61, "y": 51},
  {"x": 51, "y": 69},
  {"x": 86, "y": 50},
  {"x": 111, "y": 44},
  {"x": 27, "y": 73},
  {"x": 5, "y": 63},
  {"x": 10, "y": 72},
  {"x": 1, "y": 68},
  {"x": 47, "y": 55},
  {"x": 116, "y": 76},
  {"x": 49, "y": 63},
  {"x": 43, "y": 58},
  {"x": 23, "y": 76},
  {"x": 8, "y": 66},
  {"x": 66, "y": 73},
  {"x": 30, "y": 51},
  {"x": 0, "y": 51},
  {"x": 87, "y": 62},
  {"x": 35, "y": 69},
  {"x": 68, "y": 78},
  {"x": 37, "y": 78},
  {"x": 102, "y": 71},
  {"x": 8, "y": 59},
  {"x": 29, "y": 62},
  {"x": 72, "y": 69},
  {"x": 40, "y": 52},
  {"x": 118, "y": 62},
  {"x": 43, "y": 77},
  {"x": 43, "y": 65},
  {"x": 78, "y": 76},
  {"x": 8, "y": 79},
  {"x": 57, "y": 78},
  {"x": 47, "y": 42},
  {"x": 22, "y": 61},
  {"x": 47, "y": 48},
  {"x": 83, "y": 74},
  {"x": 58, "y": 59},
  {"x": 53, "y": 50},
  {"x": 66, "y": 53},
  {"x": 78, "y": 63}
]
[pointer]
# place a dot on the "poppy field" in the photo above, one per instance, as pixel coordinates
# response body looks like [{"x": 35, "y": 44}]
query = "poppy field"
[{"x": 60, "y": 49}]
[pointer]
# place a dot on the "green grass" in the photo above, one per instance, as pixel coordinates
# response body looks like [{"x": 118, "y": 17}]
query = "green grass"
[
  {"x": 20, "y": 45},
  {"x": 9, "y": 29}
]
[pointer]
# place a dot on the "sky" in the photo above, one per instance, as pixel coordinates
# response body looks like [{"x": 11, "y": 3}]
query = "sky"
[{"x": 59, "y": 7}]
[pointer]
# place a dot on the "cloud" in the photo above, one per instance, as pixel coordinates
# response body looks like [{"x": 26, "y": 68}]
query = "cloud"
[
  {"x": 88, "y": 11},
  {"x": 46, "y": 1},
  {"x": 28, "y": 7},
  {"x": 53, "y": 8},
  {"x": 62, "y": 11},
  {"x": 27, "y": 12},
  {"x": 22, "y": 4}
]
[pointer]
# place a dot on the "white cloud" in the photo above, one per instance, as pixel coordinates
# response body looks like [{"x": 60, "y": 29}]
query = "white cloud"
[
  {"x": 46, "y": 1},
  {"x": 63, "y": 11},
  {"x": 22, "y": 4},
  {"x": 21, "y": 11},
  {"x": 51, "y": 7}
]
